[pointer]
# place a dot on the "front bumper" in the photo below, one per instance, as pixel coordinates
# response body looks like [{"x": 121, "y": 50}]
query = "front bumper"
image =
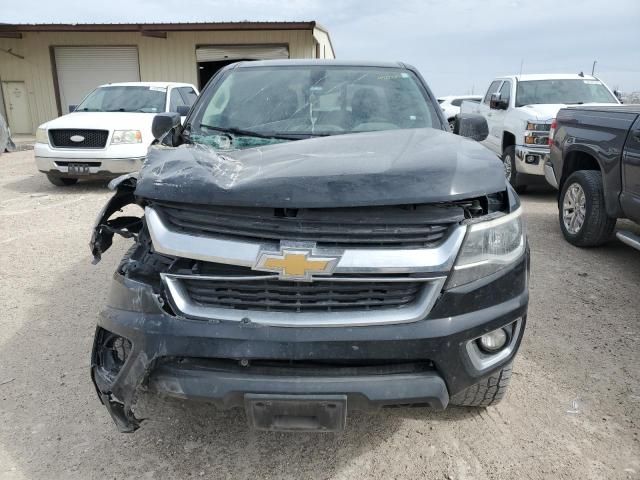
[
  {"x": 111, "y": 161},
  {"x": 422, "y": 362},
  {"x": 550, "y": 174},
  {"x": 98, "y": 167},
  {"x": 531, "y": 161}
]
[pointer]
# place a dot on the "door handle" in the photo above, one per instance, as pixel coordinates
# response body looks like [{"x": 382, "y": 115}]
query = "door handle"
[{"x": 636, "y": 135}]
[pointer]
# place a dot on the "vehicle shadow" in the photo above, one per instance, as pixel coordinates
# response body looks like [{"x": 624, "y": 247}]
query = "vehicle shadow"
[
  {"x": 58, "y": 429},
  {"x": 38, "y": 183}
]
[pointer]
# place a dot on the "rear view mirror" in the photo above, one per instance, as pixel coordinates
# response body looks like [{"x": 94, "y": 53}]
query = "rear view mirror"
[
  {"x": 471, "y": 126},
  {"x": 163, "y": 123},
  {"x": 72, "y": 108},
  {"x": 497, "y": 103},
  {"x": 183, "y": 110}
]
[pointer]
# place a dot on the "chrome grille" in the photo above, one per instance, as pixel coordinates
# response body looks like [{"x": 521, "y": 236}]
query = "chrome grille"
[
  {"x": 92, "y": 138},
  {"x": 389, "y": 226}
]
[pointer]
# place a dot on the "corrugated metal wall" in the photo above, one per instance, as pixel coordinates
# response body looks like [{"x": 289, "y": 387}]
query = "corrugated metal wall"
[
  {"x": 170, "y": 59},
  {"x": 324, "y": 44}
]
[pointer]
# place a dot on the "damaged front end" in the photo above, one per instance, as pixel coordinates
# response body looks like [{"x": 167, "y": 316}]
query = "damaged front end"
[{"x": 192, "y": 314}]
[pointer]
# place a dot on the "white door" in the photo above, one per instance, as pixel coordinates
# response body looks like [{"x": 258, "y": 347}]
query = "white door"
[
  {"x": 496, "y": 118},
  {"x": 17, "y": 107},
  {"x": 81, "y": 69},
  {"x": 494, "y": 140}
]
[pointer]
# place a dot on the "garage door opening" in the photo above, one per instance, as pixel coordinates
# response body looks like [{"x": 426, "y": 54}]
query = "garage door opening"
[
  {"x": 206, "y": 70},
  {"x": 212, "y": 58}
]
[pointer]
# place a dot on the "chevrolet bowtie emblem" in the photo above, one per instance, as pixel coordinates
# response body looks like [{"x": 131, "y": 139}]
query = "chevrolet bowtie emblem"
[{"x": 295, "y": 263}]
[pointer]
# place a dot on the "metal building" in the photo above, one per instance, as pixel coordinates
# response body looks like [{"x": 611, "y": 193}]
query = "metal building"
[{"x": 44, "y": 68}]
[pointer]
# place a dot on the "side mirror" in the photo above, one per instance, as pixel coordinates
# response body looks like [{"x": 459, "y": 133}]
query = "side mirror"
[
  {"x": 497, "y": 103},
  {"x": 163, "y": 123},
  {"x": 183, "y": 110},
  {"x": 472, "y": 126},
  {"x": 72, "y": 108}
]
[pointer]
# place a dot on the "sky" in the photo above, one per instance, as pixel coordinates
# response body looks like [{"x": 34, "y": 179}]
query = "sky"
[{"x": 458, "y": 46}]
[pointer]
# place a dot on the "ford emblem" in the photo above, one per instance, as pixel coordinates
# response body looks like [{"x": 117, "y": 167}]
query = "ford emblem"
[{"x": 77, "y": 138}]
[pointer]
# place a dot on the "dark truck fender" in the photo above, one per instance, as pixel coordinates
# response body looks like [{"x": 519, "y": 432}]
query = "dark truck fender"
[{"x": 592, "y": 139}]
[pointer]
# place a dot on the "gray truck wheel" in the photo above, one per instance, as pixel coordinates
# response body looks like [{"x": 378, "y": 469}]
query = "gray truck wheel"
[
  {"x": 62, "y": 181},
  {"x": 487, "y": 392},
  {"x": 583, "y": 218},
  {"x": 510, "y": 172}
]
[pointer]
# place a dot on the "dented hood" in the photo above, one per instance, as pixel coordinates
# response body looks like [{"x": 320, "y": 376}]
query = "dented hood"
[{"x": 374, "y": 168}]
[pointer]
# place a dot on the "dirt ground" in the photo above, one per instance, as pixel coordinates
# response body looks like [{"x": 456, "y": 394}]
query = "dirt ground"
[{"x": 573, "y": 410}]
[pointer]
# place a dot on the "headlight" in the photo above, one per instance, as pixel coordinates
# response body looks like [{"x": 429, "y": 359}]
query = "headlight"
[
  {"x": 489, "y": 247},
  {"x": 537, "y": 133},
  {"x": 540, "y": 127},
  {"x": 126, "y": 136},
  {"x": 41, "y": 136},
  {"x": 536, "y": 138}
]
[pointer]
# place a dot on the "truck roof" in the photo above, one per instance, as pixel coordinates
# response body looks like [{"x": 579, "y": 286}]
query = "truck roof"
[
  {"x": 628, "y": 108},
  {"x": 549, "y": 76},
  {"x": 309, "y": 62},
  {"x": 146, "y": 84}
]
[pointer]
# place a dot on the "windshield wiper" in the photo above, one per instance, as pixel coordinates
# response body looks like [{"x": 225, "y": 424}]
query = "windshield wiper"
[{"x": 247, "y": 133}]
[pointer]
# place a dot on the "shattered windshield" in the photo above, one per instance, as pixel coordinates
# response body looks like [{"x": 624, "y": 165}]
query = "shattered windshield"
[
  {"x": 143, "y": 99},
  {"x": 263, "y": 105}
]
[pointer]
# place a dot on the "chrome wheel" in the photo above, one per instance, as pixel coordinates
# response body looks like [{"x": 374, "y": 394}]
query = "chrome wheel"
[
  {"x": 574, "y": 208},
  {"x": 506, "y": 161}
]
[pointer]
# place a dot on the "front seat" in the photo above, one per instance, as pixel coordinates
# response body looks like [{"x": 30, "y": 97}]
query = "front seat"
[{"x": 365, "y": 106}]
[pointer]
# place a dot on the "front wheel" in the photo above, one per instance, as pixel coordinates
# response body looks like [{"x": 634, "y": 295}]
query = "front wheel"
[
  {"x": 485, "y": 393},
  {"x": 510, "y": 172},
  {"x": 583, "y": 218}
]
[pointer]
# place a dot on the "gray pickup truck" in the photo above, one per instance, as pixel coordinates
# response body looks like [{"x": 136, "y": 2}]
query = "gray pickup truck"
[{"x": 595, "y": 165}]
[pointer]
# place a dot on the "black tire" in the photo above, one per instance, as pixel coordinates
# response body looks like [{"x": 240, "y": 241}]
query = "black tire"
[
  {"x": 452, "y": 123},
  {"x": 597, "y": 227},
  {"x": 62, "y": 181},
  {"x": 485, "y": 393},
  {"x": 510, "y": 172}
]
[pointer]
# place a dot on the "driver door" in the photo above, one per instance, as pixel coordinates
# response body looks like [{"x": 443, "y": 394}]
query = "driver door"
[
  {"x": 496, "y": 117},
  {"x": 485, "y": 110}
]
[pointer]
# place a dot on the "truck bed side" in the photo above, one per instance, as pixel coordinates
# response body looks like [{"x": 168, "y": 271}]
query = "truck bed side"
[{"x": 590, "y": 139}]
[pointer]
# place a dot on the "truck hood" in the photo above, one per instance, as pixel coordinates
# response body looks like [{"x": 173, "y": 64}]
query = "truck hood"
[
  {"x": 374, "y": 168},
  {"x": 547, "y": 112},
  {"x": 103, "y": 121}
]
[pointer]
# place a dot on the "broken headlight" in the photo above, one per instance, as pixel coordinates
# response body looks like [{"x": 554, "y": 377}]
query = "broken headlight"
[{"x": 488, "y": 247}]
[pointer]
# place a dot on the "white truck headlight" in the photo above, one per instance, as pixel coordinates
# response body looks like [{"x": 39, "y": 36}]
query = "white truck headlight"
[
  {"x": 126, "y": 136},
  {"x": 488, "y": 247},
  {"x": 42, "y": 136}
]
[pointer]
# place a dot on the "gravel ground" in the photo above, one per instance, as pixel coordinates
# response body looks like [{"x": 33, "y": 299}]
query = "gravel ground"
[{"x": 573, "y": 410}]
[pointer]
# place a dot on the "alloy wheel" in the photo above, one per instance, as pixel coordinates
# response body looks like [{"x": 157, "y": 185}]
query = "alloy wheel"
[{"x": 574, "y": 208}]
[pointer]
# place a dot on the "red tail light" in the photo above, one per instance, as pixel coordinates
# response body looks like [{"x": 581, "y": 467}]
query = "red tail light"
[{"x": 552, "y": 131}]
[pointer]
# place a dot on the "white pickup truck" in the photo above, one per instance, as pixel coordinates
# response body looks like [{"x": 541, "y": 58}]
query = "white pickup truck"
[
  {"x": 109, "y": 133},
  {"x": 519, "y": 110}
]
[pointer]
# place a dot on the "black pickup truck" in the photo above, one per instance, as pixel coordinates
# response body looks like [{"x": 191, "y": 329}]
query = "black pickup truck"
[
  {"x": 314, "y": 240},
  {"x": 595, "y": 165}
]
